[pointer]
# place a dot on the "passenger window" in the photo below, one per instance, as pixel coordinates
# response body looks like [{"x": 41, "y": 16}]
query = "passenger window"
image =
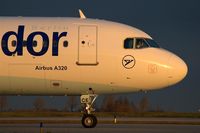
[
  {"x": 65, "y": 44},
  {"x": 34, "y": 43},
  {"x": 141, "y": 43},
  {"x": 24, "y": 43},
  {"x": 128, "y": 43},
  {"x": 14, "y": 43}
]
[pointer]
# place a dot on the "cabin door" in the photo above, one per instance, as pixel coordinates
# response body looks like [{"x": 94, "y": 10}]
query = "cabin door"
[{"x": 87, "y": 45}]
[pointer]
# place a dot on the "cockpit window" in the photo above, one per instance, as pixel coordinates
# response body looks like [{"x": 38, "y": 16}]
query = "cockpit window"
[
  {"x": 152, "y": 43},
  {"x": 129, "y": 43},
  {"x": 141, "y": 43}
]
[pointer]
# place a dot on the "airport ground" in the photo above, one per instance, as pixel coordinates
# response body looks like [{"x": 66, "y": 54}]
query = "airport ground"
[
  {"x": 70, "y": 123},
  {"x": 101, "y": 128}
]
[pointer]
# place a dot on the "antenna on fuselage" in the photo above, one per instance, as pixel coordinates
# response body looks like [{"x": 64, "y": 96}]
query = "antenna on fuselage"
[{"x": 82, "y": 15}]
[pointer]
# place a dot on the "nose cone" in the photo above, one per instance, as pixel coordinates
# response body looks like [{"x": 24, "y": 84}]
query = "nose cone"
[{"x": 177, "y": 70}]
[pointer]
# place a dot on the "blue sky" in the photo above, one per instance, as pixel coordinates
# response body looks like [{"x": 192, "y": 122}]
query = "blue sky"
[{"x": 175, "y": 25}]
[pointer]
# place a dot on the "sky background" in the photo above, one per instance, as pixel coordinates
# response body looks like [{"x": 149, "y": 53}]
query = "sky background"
[{"x": 174, "y": 24}]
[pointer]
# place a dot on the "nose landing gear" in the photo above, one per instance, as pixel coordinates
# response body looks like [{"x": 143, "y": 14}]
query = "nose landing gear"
[{"x": 88, "y": 120}]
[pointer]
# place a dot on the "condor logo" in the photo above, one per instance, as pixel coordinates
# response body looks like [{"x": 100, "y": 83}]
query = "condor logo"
[
  {"x": 128, "y": 61},
  {"x": 29, "y": 42}
]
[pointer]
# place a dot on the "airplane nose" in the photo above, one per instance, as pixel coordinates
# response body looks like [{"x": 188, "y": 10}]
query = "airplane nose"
[{"x": 177, "y": 70}]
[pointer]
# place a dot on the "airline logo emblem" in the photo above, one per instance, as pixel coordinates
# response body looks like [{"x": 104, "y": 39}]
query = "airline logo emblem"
[{"x": 128, "y": 61}]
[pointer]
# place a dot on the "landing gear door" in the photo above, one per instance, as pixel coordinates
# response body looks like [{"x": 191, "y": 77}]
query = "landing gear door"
[{"x": 87, "y": 45}]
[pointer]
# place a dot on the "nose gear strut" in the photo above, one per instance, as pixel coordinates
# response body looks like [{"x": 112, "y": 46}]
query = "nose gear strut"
[{"x": 88, "y": 120}]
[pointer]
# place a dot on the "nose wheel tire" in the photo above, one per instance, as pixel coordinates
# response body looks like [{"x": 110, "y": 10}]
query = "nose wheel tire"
[{"x": 89, "y": 121}]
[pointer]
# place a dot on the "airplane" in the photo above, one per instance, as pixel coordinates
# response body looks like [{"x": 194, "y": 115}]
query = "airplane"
[{"x": 84, "y": 57}]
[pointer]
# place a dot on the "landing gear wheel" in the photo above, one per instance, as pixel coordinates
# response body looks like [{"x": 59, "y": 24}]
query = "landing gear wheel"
[{"x": 89, "y": 121}]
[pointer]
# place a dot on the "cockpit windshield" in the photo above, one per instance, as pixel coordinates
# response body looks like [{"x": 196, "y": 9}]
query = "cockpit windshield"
[
  {"x": 152, "y": 43},
  {"x": 139, "y": 43}
]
